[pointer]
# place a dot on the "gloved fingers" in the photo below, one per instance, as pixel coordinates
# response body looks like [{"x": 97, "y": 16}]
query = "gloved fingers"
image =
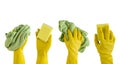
[
  {"x": 112, "y": 37},
  {"x": 96, "y": 40},
  {"x": 100, "y": 33},
  {"x": 79, "y": 36},
  {"x": 107, "y": 31},
  {"x": 75, "y": 33},
  {"x": 70, "y": 34}
]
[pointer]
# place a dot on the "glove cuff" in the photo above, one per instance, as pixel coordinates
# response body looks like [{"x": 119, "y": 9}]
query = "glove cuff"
[
  {"x": 106, "y": 59},
  {"x": 42, "y": 58},
  {"x": 72, "y": 59},
  {"x": 19, "y": 57}
]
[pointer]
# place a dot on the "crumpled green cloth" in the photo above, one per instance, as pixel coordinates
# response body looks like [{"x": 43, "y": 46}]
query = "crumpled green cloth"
[
  {"x": 64, "y": 25},
  {"x": 16, "y": 37}
]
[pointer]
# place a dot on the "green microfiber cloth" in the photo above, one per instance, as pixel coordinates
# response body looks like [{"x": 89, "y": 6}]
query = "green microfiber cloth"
[
  {"x": 64, "y": 25},
  {"x": 16, "y": 37}
]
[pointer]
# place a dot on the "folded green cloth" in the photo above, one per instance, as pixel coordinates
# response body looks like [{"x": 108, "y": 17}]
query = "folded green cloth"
[
  {"x": 64, "y": 25},
  {"x": 16, "y": 37}
]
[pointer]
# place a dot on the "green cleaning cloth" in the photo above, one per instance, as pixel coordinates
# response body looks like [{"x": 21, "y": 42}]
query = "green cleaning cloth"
[
  {"x": 64, "y": 25},
  {"x": 16, "y": 37}
]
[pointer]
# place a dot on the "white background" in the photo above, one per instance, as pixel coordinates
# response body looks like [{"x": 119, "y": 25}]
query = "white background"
[{"x": 84, "y": 13}]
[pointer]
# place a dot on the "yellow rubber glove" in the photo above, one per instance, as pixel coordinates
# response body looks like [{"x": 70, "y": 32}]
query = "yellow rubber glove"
[
  {"x": 18, "y": 55},
  {"x": 73, "y": 45},
  {"x": 42, "y": 49},
  {"x": 104, "y": 42}
]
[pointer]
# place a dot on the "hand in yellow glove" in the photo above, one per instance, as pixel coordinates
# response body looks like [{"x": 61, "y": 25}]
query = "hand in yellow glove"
[
  {"x": 18, "y": 55},
  {"x": 104, "y": 42},
  {"x": 73, "y": 45},
  {"x": 42, "y": 49}
]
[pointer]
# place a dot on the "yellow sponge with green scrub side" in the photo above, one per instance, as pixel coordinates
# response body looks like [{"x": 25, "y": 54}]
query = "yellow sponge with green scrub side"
[{"x": 44, "y": 32}]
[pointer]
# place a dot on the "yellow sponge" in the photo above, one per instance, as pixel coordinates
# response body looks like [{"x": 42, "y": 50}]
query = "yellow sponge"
[
  {"x": 44, "y": 32},
  {"x": 103, "y": 27}
]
